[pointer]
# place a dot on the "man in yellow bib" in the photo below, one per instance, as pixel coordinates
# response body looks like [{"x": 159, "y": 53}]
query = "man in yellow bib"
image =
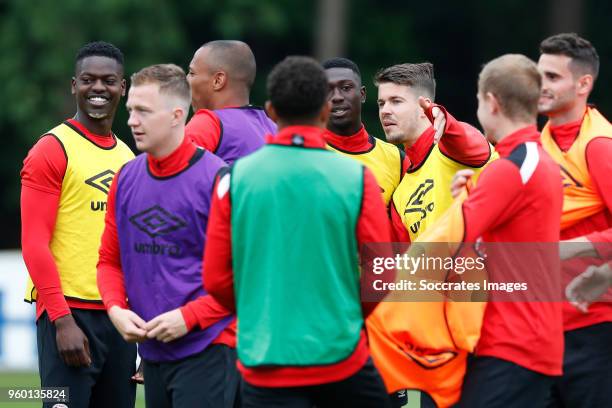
[
  {"x": 406, "y": 111},
  {"x": 579, "y": 138},
  {"x": 347, "y": 135},
  {"x": 65, "y": 181}
]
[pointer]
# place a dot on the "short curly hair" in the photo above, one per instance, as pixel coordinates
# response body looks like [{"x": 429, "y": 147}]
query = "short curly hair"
[
  {"x": 99, "y": 49},
  {"x": 297, "y": 88}
]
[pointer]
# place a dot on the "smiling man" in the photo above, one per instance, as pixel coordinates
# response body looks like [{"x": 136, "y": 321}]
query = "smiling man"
[
  {"x": 152, "y": 248},
  {"x": 65, "y": 180},
  {"x": 347, "y": 135},
  {"x": 579, "y": 138}
]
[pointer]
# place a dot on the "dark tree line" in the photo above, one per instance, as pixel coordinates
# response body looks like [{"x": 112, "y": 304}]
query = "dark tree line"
[{"x": 38, "y": 41}]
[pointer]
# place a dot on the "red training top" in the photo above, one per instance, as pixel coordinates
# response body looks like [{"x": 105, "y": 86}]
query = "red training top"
[
  {"x": 372, "y": 226},
  {"x": 515, "y": 200}
]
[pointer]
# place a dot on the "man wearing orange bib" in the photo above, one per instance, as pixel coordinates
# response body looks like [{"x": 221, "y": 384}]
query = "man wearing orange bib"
[{"x": 579, "y": 139}]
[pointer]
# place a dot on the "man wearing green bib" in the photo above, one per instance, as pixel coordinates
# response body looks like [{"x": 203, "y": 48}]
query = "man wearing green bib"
[{"x": 284, "y": 235}]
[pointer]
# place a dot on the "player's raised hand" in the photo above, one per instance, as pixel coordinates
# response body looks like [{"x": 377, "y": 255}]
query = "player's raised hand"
[
  {"x": 128, "y": 324},
  {"x": 167, "y": 326},
  {"x": 72, "y": 343},
  {"x": 587, "y": 287},
  {"x": 439, "y": 118},
  {"x": 460, "y": 180}
]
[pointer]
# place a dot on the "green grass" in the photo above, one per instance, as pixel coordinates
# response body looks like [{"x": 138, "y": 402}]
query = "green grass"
[{"x": 16, "y": 379}]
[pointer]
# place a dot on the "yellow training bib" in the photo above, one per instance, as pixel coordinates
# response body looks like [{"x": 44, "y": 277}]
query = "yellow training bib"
[
  {"x": 82, "y": 207},
  {"x": 385, "y": 161},
  {"x": 424, "y": 193}
]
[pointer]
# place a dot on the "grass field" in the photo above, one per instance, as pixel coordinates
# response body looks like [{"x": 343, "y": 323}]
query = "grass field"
[{"x": 16, "y": 379}]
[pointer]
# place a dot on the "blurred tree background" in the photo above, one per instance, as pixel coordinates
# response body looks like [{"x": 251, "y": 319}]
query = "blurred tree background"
[{"x": 39, "y": 39}]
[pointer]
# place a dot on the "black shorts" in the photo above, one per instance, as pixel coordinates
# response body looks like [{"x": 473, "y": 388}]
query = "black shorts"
[
  {"x": 587, "y": 369},
  {"x": 106, "y": 382},
  {"x": 495, "y": 383},
  {"x": 208, "y": 379},
  {"x": 365, "y": 389}
]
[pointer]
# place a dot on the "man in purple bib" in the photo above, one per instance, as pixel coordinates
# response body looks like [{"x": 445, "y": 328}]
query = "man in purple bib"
[
  {"x": 221, "y": 75},
  {"x": 150, "y": 268}
]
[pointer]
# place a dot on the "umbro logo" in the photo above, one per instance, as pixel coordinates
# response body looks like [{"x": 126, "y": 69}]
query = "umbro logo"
[
  {"x": 417, "y": 206},
  {"x": 101, "y": 181},
  {"x": 156, "y": 221}
]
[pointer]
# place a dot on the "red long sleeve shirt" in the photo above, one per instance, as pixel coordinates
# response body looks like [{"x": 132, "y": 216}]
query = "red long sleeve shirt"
[
  {"x": 204, "y": 128},
  {"x": 201, "y": 312},
  {"x": 597, "y": 227},
  {"x": 42, "y": 176},
  {"x": 519, "y": 199},
  {"x": 460, "y": 141},
  {"x": 372, "y": 226}
]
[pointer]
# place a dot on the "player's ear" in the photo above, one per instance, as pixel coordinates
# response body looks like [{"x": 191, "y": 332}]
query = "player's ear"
[
  {"x": 123, "y": 87},
  {"x": 219, "y": 80},
  {"x": 362, "y": 91},
  {"x": 492, "y": 103},
  {"x": 271, "y": 112},
  {"x": 73, "y": 86},
  {"x": 585, "y": 84},
  {"x": 179, "y": 115}
]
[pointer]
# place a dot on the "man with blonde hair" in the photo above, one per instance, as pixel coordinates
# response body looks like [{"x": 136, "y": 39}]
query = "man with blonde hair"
[
  {"x": 517, "y": 199},
  {"x": 152, "y": 248}
]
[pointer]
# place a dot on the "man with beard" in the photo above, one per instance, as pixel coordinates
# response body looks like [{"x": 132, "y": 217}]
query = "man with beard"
[
  {"x": 65, "y": 180},
  {"x": 579, "y": 138},
  {"x": 406, "y": 111}
]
